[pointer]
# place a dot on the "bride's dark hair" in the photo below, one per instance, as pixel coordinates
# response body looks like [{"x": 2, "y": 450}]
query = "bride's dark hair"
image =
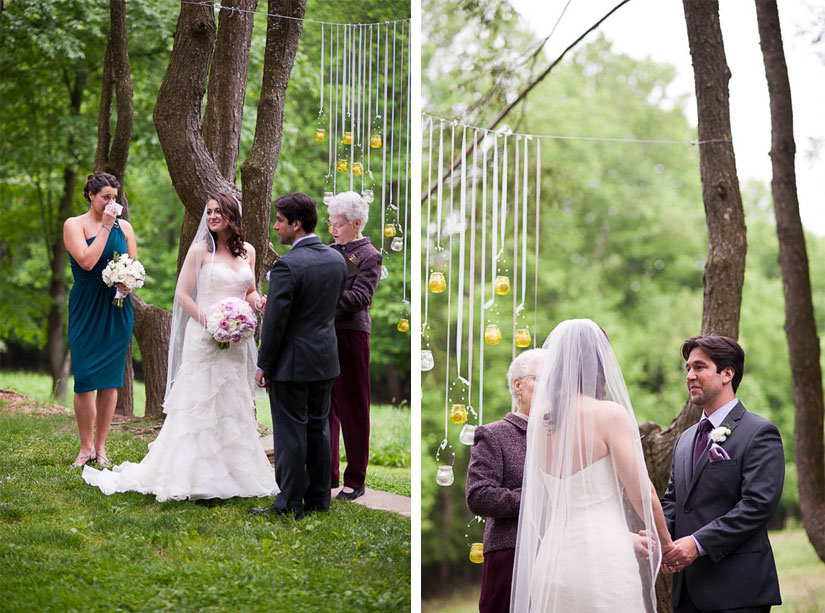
[{"x": 230, "y": 211}]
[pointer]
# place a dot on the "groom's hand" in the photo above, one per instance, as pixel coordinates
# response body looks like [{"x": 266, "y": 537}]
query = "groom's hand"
[
  {"x": 261, "y": 378},
  {"x": 682, "y": 554}
]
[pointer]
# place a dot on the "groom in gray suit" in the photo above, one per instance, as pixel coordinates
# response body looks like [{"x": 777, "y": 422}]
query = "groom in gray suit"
[
  {"x": 298, "y": 357},
  {"x": 725, "y": 482}
]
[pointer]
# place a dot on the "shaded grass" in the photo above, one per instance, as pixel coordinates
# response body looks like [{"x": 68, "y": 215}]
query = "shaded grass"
[{"x": 66, "y": 546}]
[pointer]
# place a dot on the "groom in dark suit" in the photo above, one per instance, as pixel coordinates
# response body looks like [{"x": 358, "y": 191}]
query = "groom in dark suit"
[
  {"x": 725, "y": 482},
  {"x": 298, "y": 357}
]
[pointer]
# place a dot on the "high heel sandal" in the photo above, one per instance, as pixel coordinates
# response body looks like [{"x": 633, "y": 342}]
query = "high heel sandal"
[{"x": 81, "y": 460}]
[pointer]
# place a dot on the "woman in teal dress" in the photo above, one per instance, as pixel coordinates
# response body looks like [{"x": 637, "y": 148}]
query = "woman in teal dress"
[{"x": 99, "y": 331}]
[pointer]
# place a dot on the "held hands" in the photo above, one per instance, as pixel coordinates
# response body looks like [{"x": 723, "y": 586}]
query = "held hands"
[
  {"x": 261, "y": 378},
  {"x": 680, "y": 555},
  {"x": 260, "y": 303}
]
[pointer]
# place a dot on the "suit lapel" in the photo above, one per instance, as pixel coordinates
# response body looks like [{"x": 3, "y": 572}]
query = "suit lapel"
[{"x": 732, "y": 418}]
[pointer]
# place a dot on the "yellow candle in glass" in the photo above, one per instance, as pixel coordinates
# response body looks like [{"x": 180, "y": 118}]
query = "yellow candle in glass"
[
  {"x": 403, "y": 325},
  {"x": 357, "y": 168},
  {"x": 347, "y": 140},
  {"x": 492, "y": 335},
  {"x": 458, "y": 414},
  {"x": 523, "y": 337},
  {"x": 320, "y": 135},
  {"x": 437, "y": 282},
  {"x": 375, "y": 141},
  {"x": 342, "y": 166},
  {"x": 477, "y": 553},
  {"x": 502, "y": 285}
]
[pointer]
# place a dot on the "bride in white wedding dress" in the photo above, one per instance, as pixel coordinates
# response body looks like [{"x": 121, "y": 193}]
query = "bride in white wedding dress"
[
  {"x": 208, "y": 446},
  {"x": 586, "y": 495}
]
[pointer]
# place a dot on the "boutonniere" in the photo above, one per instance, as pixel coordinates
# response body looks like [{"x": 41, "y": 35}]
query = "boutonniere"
[{"x": 720, "y": 434}]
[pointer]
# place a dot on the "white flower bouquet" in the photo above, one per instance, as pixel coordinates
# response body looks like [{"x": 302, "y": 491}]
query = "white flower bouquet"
[
  {"x": 125, "y": 270},
  {"x": 231, "y": 321}
]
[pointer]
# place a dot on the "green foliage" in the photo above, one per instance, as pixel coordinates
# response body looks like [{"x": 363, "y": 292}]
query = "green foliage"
[{"x": 58, "y": 534}]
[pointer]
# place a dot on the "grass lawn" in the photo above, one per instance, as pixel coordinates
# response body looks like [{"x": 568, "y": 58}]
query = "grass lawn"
[{"x": 64, "y": 546}]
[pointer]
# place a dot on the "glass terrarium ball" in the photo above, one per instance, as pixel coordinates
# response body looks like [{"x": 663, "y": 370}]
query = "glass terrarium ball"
[
  {"x": 492, "y": 335},
  {"x": 375, "y": 141},
  {"x": 368, "y": 195},
  {"x": 437, "y": 282},
  {"x": 502, "y": 285},
  {"x": 444, "y": 476},
  {"x": 320, "y": 135},
  {"x": 477, "y": 553},
  {"x": 403, "y": 325},
  {"x": 427, "y": 360},
  {"x": 458, "y": 414},
  {"x": 397, "y": 244},
  {"x": 523, "y": 337},
  {"x": 328, "y": 197},
  {"x": 347, "y": 139},
  {"x": 342, "y": 166}
]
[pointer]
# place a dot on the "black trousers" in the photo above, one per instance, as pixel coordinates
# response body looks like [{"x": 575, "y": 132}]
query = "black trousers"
[
  {"x": 686, "y": 605},
  {"x": 300, "y": 423}
]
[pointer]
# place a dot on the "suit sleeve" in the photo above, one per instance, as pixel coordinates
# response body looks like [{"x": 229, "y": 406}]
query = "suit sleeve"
[
  {"x": 276, "y": 315},
  {"x": 484, "y": 494},
  {"x": 763, "y": 475}
]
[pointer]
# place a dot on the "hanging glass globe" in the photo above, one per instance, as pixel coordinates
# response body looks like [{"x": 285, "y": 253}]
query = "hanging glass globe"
[
  {"x": 427, "y": 361},
  {"x": 477, "y": 553},
  {"x": 320, "y": 135},
  {"x": 437, "y": 282},
  {"x": 458, "y": 414},
  {"x": 502, "y": 285},
  {"x": 403, "y": 325},
  {"x": 492, "y": 335},
  {"x": 397, "y": 244},
  {"x": 342, "y": 166},
  {"x": 467, "y": 435},
  {"x": 389, "y": 230},
  {"x": 328, "y": 197},
  {"x": 384, "y": 272},
  {"x": 444, "y": 476},
  {"x": 368, "y": 195},
  {"x": 357, "y": 169},
  {"x": 523, "y": 337},
  {"x": 375, "y": 141},
  {"x": 347, "y": 139}
]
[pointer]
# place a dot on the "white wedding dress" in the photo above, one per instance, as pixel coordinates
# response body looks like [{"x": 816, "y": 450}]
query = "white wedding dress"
[
  {"x": 208, "y": 446},
  {"x": 592, "y": 567}
]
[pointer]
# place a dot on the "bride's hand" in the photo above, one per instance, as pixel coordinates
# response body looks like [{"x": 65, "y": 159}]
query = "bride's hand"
[{"x": 260, "y": 303}]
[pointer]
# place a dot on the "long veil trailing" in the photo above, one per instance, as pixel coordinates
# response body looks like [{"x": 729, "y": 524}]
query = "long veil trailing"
[{"x": 586, "y": 492}]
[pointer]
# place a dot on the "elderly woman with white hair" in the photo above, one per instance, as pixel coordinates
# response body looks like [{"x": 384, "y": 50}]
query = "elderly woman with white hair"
[
  {"x": 350, "y": 410},
  {"x": 494, "y": 481}
]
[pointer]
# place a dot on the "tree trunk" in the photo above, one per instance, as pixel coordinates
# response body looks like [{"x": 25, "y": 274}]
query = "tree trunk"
[
  {"x": 227, "y": 86},
  {"x": 154, "y": 324},
  {"x": 725, "y": 218},
  {"x": 257, "y": 171},
  {"x": 800, "y": 325},
  {"x": 58, "y": 354}
]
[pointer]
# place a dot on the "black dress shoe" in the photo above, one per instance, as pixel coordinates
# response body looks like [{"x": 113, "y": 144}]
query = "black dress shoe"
[
  {"x": 273, "y": 510},
  {"x": 342, "y": 495}
]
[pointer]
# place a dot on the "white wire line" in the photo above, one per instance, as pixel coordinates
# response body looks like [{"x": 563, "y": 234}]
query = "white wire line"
[
  {"x": 218, "y": 6},
  {"x": 592, "y": 138}
]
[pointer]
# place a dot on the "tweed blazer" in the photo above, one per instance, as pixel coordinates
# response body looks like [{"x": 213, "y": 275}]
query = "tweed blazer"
[{"x": 494, "y": 479}]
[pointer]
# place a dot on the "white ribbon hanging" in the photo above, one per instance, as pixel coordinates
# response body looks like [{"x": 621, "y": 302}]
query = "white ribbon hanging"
[
  {"x": 538, "y": 236},
  {"x": 483, "y": 278},
  {"x": 424, "y": 285}
]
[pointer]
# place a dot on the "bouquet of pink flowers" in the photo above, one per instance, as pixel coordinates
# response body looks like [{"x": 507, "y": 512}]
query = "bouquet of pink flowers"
[
  {"x": 231, "y": 321},
  {"x": 123, "y": 269}
]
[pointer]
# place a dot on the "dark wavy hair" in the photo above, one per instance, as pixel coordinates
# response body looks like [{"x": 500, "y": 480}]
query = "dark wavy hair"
[
  {"x": 722, "y": 350},
  {"x": 231, "y": 212},
  {"x": 97, "y": 181}
]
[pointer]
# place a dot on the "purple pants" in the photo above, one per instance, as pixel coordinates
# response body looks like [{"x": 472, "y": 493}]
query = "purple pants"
[
  {"x": 496, "y": 581},
  {"x": 350, "y": 411}
]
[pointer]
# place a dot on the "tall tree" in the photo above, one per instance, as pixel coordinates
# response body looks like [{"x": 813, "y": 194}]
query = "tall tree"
[
  {"x": 800, "y": 325},
  {"x": 725, "y": 218}
]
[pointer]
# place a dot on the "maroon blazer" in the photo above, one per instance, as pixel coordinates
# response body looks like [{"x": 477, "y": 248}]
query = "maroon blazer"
[{"x": 494, "y": 479}]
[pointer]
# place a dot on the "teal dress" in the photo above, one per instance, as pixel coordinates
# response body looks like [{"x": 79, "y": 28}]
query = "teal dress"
[{"x": 99, "y": 331}]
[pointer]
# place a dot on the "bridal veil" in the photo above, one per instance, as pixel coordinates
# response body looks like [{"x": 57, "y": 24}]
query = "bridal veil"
[{"x": 586, "y": 493}]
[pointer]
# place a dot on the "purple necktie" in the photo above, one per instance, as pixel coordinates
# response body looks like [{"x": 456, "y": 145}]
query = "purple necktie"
[{"x": 701, "y": 440}]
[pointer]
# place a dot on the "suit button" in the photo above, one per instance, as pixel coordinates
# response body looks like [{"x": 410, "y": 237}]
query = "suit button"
[{"x": 688, "y": 508}]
